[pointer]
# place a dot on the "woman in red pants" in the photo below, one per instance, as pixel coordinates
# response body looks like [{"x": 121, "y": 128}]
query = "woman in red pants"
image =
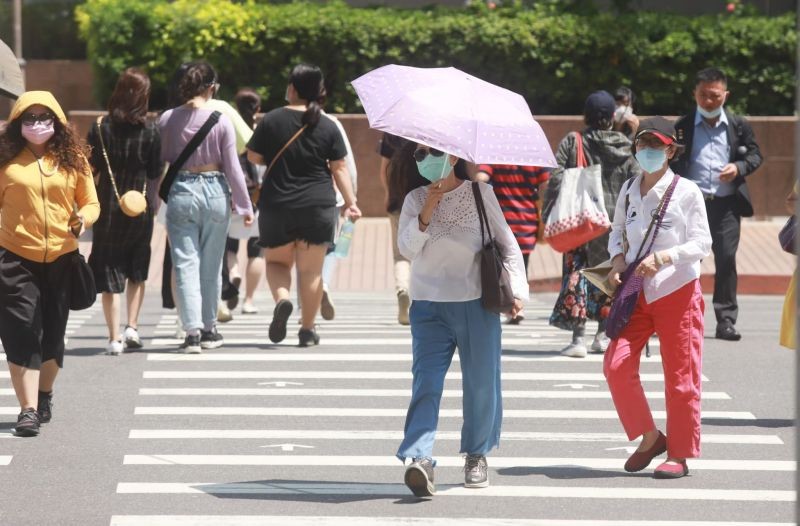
[{"x": 670, "y": 303}]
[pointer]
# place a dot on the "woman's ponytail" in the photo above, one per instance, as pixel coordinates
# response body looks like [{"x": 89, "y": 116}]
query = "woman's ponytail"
[{"x": 310, "y": 86}]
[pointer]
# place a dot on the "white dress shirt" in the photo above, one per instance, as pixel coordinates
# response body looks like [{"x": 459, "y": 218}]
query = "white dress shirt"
[
  {"x": 684, "y": 232},
  {"x": 445, "y": 259}
]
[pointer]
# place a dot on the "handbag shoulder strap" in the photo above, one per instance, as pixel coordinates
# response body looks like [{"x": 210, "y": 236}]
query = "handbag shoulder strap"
[
  {"x": 108, "y": 163},
  {"x": 580, "y": 155},
  {"x": 659, "y": 216},
  {"x": 482, "y": 217},
  {"x": 188, "y": 150},
  {"x": 256, "y": 194},
  {"x": 280, "y": 152}
]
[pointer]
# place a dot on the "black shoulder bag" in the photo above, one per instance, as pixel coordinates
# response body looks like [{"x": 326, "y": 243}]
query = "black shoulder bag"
[
  {"x": 496, "y": 293},
  {"x": 191, "y": 146}
]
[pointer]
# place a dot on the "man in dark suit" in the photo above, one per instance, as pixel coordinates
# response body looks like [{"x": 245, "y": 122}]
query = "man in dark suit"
[{"x": 721, "y": 152}]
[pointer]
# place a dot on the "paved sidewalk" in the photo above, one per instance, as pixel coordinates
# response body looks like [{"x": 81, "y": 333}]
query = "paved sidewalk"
[{"x": 763, "y": 267}]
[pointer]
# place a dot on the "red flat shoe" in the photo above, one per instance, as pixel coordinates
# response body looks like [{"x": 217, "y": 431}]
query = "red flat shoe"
[
  {"x": 641, "y": 459},
  {"x": 671, "y": 470}
]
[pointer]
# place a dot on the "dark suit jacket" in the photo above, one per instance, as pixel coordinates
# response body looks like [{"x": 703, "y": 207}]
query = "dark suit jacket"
[{"x": 744, "y": 153}]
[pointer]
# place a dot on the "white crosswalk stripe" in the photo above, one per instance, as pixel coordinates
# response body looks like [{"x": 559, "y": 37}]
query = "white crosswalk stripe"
[{"x": 254, "y": 409}]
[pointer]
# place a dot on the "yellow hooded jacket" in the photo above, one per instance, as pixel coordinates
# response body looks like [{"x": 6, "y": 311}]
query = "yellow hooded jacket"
[{"x": 36, "y": 202}]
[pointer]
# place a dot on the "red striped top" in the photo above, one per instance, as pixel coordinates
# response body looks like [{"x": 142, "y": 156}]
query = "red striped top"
[{"x": 517, "y": 190}]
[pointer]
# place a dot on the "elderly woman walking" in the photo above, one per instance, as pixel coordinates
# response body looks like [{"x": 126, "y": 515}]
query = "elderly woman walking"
[
  {"x": 579, "y": 299},
  {"x": 669, "y": 304},
  {"x": 47, "y": 198},
  {"x": 440, "y": 233}
]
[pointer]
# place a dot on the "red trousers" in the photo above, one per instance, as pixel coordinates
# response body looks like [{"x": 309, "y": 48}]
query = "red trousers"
[{"x": 678, "y": 321}]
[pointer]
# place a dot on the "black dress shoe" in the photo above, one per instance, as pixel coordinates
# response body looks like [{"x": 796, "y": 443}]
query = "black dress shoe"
[{"x": 728, "y": 332}]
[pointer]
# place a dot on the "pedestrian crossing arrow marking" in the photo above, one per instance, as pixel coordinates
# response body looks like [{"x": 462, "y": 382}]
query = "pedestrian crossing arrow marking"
[
  {"x": 575, "y": 386},
  {"x": 280, "y": 384},
  {"x": 289, "y": 447}
]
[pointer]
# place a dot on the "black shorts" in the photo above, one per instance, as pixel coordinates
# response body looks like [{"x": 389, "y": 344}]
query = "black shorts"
[
  {"x": 34, "y": 308},
  {"x": 315, "y": 225},
  {"x": 253, "y": 248}
]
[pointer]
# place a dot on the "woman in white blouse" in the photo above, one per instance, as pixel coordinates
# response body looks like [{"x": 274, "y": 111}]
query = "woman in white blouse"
[
  {"x": 670, "y": 304},
  {"x": 440, "y": 234}
]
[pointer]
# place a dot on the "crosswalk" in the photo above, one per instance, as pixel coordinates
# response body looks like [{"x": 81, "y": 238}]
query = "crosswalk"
[{"x": 255, "y": 433}]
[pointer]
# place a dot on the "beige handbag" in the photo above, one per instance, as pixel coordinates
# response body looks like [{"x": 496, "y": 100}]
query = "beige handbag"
[{"x": 132, "y": 203}]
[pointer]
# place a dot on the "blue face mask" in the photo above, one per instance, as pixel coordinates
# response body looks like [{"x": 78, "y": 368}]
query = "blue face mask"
[
  {"x": 650, "y": 159},
  {"x": 713, "y": 114},
  {"x": 434, "y": 168}
]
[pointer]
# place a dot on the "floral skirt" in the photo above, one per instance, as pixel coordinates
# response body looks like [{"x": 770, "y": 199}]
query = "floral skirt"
[{"x": 578, "y": 300}]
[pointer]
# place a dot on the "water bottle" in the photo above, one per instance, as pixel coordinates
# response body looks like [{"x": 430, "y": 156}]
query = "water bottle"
[{"x": 343, "y": 241}]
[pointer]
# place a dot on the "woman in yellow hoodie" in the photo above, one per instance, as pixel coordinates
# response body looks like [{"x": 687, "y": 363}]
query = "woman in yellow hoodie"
[{"x": 47, "y": 198}]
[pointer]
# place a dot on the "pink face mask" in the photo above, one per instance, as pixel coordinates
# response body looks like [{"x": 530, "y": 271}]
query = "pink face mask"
[{"x": 38, "y": 132}]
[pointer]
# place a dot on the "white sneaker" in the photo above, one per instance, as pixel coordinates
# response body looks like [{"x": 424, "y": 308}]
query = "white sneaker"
[
  {"x": 574, "y": 350},
  {"x": 131, "y": 338},
  {"x": 114, "y": 348},
  {"x": 600, "y": 343},
  {"x": 249, "y": 308},
  {"x": 179, "y": 332}
]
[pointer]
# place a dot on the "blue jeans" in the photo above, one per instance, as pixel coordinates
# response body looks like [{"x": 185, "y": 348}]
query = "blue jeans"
[
  {"x": 198, "y": 216},
  {"x": 437, "y": 328}
]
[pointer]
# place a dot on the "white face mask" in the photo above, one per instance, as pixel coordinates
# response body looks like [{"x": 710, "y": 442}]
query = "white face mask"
[
  {"x": 38, "y": 133},
  {"x": 621, "y": 113}
]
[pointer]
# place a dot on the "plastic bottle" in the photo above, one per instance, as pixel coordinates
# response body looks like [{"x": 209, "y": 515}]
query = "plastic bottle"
[{"x": 343, "y": 241}]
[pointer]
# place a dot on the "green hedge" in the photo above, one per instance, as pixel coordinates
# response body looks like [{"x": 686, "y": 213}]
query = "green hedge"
[
  {"x": 47, "y": 30},
  {"x": 553, "y": 59}
]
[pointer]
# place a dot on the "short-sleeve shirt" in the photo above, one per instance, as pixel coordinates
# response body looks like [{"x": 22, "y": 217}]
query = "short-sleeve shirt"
[{"x": 301, "y": 177}]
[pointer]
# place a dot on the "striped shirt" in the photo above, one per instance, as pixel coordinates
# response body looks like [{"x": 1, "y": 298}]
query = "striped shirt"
[{"x": 517, "y": 191}]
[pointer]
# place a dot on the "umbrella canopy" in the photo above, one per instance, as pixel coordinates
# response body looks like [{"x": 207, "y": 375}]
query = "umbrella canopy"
[
  {"x": 455, "y": 112},
  {"x": 11, "y": 83}
]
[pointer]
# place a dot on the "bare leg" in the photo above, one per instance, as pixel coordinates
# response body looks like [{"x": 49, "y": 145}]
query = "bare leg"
[
  {"x": 26, "y": 385},
  {"x": 309, "y": 277},
  {"x": 135, "y": 298},
  {"x": 111, "y": 312},
  {"x": 279, "y": 263},
  {"x": 254, "y": 273},
  {"x": 233, "y": 264},
  {"x": 648, "y": 440},
  {"x": 48, "y": 376}
]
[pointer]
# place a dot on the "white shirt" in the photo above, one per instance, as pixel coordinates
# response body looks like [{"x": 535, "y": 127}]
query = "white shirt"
[
  {"x": 445, "y": 259},
  {"x": 349, "y": 161},
  {"x": 684, "y": 232}
]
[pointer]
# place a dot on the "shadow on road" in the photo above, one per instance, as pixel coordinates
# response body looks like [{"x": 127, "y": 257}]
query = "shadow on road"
[
  {"x": 771, "y": 423},
  {"x": 568, "y": 472}
]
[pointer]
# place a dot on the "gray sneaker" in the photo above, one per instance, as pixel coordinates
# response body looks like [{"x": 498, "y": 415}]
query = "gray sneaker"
[
  {"x": 476, "y": 472},
  {"x": 419, "y": 477}
]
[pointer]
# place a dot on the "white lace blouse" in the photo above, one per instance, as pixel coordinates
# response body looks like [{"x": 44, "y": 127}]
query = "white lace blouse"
[{"x": 445, "y": 259}]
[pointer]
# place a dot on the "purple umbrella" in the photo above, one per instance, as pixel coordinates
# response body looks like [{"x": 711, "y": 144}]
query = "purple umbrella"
[{"x": 457, "y": 113}]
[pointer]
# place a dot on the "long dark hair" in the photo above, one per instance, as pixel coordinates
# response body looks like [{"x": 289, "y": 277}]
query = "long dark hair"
[
  {"x": 403, "y": 175},
  {"x": 131, "y": 97},
  {"x": 198, "y": 77},
  {"x": 310, "y": 86},
  {"x": 248, "y": 103},
  {"x": 65, "y": 147}
]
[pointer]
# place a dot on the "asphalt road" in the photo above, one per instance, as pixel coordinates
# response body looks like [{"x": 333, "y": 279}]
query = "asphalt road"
[{"x": 261, "y": 434}]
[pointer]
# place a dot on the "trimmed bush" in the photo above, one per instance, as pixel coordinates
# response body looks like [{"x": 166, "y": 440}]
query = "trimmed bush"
[{"x": 553, "y": 59}]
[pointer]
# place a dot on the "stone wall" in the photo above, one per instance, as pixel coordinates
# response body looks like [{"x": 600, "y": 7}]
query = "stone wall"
[{"x": 768, "y": 186}]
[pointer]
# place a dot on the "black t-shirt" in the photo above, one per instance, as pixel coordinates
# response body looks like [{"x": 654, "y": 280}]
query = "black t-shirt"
[{"x": 300, "y": 177}]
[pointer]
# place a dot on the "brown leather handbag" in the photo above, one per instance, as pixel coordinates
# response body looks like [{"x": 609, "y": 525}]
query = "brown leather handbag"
[{"x": 496, "y": 293}]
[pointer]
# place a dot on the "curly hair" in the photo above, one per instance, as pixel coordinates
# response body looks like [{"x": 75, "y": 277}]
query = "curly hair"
[{"x": 65, "y": 147}]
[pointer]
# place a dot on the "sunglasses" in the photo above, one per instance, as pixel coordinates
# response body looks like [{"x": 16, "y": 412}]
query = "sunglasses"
[
  {"x": 420, "y": 154},
  {"x": 29, "y": 119}
]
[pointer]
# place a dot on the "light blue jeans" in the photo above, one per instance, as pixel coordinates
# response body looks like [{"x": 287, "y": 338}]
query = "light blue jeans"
[
  {"x": 437, "y": 328},
  {"x": 198, "y": 216}
]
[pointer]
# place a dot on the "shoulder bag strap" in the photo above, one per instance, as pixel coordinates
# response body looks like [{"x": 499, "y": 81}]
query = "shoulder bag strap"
[
  {"x": 482, "y": 217},
  {"x": 105, "y": 156},
  {"x": 656, "y": 221},
  {"x": 256, "y": 194},
  {"x": 188, "y": 150},
  {"x": 580, "y": 155}
]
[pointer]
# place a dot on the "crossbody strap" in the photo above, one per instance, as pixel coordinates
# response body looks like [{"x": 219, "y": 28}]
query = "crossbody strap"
[
  {"x": 256, "y": 194},
  {"x": 658, "y": 218},
  {"x": 482, "y": 217},
  {"x": 108, "y": 163},
  {"x": 188, "y": 150}
]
